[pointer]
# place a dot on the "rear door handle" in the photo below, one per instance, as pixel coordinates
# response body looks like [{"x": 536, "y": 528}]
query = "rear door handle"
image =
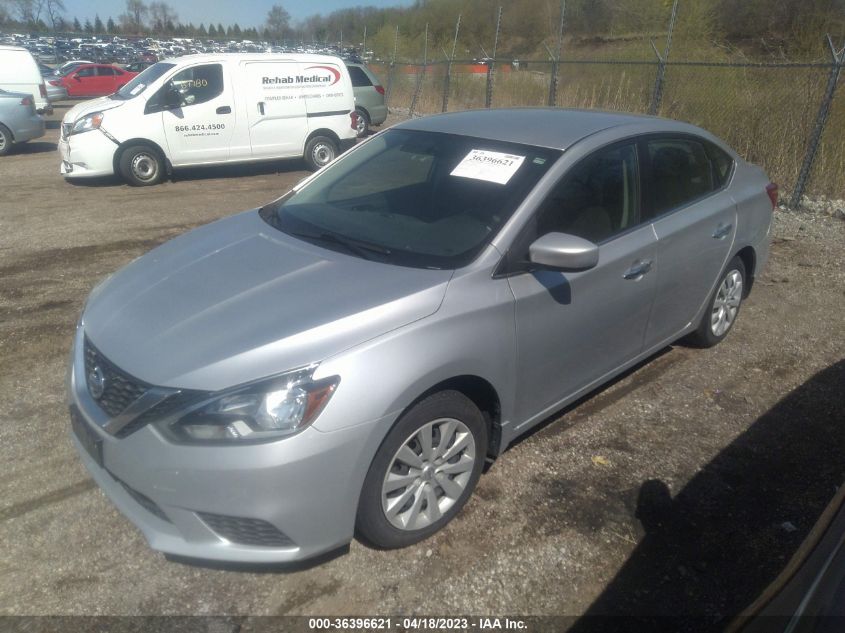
[
  {"x": 639, "y": 269},
  {"x": 224, "y": 110},
  {"x": 722, "y": 231},
  {"x": 261, "y": 107}
]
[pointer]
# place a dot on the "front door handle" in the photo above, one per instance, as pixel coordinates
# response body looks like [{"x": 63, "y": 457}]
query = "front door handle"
[
  {"x": 640, "y": 268},
  {"x": 224, "y": 110},
  {"x": 261, "y": 107},
  {"x": 722, "y": 231}
]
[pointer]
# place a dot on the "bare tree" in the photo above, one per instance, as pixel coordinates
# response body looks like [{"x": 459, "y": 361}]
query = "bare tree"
[
  {"x": 133, "y": 19},
  {"x": 278, "y": 22},
  {"x": 162, "y": 14},
  {"x": 55, "y": 9},
  {"x": 28, "y": 11}
]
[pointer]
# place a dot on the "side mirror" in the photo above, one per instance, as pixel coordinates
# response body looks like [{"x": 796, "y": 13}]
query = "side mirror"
[
  {"x": 76, "y": 76},
  {"x": 560, "y": 251}
]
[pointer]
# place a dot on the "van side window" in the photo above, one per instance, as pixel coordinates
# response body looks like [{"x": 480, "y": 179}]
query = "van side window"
[
  {"x": 681, "y": 173},
  {"x": 199, "y": 84},
  {"x": 359, "y": 77},
  {"x": 597, "y": 199}
]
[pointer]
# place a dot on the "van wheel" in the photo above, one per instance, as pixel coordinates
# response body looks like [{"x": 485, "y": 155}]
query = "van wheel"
[
  {"x": 424, "y": 471},
  {"x": 141, "y": 165},
  {"x": 319, "y": 152},
  {"x": 363, "y": 125},
  {"x": 5, "y": 140}
]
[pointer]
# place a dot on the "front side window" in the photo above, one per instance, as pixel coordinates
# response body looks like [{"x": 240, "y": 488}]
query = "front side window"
[
  {"x": 681, "y": 173},
  {"x": 597, "y": 199},
  {"x": 198, "y": 84},
  {"x": 413, "y": 198}
]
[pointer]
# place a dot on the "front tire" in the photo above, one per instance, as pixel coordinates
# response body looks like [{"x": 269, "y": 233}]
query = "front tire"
[
  {"x": 6, "y": 141},
  {"x": 141, "y": 165},
  {"x": 319, "y": 152},
  {"x": 424, "y": 471},
  {"x": 722, "y": 307}
]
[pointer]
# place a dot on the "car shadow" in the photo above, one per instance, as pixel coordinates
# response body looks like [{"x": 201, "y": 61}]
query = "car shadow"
[
  {"x": 710, "y": 550},
  {"x": 35, "y": 147},
  {"x": 52, "y": 125},
  {"x": 238, "y": 170}
]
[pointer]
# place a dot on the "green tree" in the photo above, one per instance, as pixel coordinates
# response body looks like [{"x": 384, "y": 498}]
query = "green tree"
[
  {"x": 111, "y": 27},
  {"x": 77, "y": 27},
  {"x": 98, "y": 25},
  {"x": 212, "y": 31},
  {"x": 89, "y": 28}
]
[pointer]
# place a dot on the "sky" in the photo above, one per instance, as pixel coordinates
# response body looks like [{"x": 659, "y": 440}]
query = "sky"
[{"x": 245, "y": 13}]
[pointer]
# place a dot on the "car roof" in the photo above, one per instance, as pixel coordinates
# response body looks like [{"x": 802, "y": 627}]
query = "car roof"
[
  {"x": 268, "y": 57},
  {"x": 555, "y": 128}
]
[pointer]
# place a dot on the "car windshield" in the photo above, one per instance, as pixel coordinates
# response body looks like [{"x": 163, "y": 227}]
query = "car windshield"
[
  {"x": 140, "y": 82},
  {"x": 412, "y": 198}
]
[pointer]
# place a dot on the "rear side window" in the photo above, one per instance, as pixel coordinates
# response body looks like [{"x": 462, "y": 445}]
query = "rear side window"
[
  {"x": 681, "y": 173},
  {"x": 104, "y": 71},
  {"x": 90, "y": 71},
  {"x": 722, "y": 164},
  {"x": 199, "y": 84},
  {"x": 359, "y": 77}
]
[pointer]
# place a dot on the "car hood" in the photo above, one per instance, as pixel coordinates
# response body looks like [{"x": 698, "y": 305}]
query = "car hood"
[
  {"x": 100, "y": 104},
  {"x": 238, "y": 300}
]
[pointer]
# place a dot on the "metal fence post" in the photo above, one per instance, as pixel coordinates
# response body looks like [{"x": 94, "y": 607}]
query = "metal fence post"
[
  {"x": 488, "y": 102},
  {"x": 657, "y": 96},
  {"x": 818, "y": 129},
  {"x": 420, "y": 77},
  {"x": 391, "y": 69},
  {"x": 447, "y": 79},
  {"x": 556, "y": 59}
]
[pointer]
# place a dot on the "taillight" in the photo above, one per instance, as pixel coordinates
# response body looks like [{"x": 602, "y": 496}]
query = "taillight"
[
  {"x": 26, "y": 101},
  {"x": 379, "y": 89},
  {"x": 772, "y": 190},
  {"x": 43, "y": 90},
  {"x": 354, "y": 116}
]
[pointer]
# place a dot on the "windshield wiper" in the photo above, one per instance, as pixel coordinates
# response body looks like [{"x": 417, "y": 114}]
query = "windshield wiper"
[{"x": 356, "y": 247}]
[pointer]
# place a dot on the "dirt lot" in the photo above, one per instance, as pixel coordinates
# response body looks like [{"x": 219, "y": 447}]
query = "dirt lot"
[{"x": 674, "y": 490}]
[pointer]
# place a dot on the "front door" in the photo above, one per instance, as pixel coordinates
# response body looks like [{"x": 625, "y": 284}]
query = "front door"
[
  {"x": 573, "y": 328},
  {"x": 200, "y": 129}
]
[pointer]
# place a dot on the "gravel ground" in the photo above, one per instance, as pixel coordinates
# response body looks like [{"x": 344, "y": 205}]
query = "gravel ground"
[{"x": 681, "y": 488}]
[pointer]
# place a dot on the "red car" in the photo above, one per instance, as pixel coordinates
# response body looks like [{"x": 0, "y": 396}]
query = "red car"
[{"x": 95, "y": 80}]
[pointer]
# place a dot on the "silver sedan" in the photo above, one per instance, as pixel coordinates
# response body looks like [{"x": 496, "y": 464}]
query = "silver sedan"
[
  {"x": 18, "y": 120},
  {"x": 343, "y": 360}
]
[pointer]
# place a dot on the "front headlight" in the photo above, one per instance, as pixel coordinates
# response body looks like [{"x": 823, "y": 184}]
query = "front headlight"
[
  {"x": 262, "y": 411},
  {"x": 87, "y": 123}
]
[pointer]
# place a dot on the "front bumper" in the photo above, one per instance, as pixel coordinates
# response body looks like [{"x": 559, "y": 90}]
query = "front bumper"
[
  {"x": 304, "y": 487},
  {"x": 87, "y": 155}
]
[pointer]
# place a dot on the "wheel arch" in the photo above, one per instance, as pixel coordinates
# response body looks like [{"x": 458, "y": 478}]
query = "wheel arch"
[
  {"x": 482, "y": 394},
  {"x": 323, "y": 132},
  {"x": 122, "y": 147},
  {"x": 749, "y": 259}
]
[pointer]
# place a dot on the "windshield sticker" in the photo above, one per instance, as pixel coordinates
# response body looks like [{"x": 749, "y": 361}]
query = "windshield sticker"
[
  {"x": 137, "y": 89},
  {"x": 491, "y": 166}
]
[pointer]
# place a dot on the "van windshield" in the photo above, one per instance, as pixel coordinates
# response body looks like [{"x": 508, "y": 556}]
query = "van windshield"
[
  {"x": 140, "y": 82},
  {"x": 414, "y": 198}
]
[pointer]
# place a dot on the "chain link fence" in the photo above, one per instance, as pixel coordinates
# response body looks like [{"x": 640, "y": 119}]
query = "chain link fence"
[{"x": 767, "y": 112}]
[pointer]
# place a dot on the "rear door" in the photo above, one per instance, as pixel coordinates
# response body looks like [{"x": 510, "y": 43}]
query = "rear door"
[
  {"x": 695, "y": 219},
  {"x": 275, "y": 107}
]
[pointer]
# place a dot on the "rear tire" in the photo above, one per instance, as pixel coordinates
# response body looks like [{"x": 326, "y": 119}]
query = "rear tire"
[
  {"x": 6, "y": 141},
  {"x": 319, "y": 152},
  {"x": 424, "y": 471},
  {"x": 141, "y": 165},
  {"x": 363, "y": 126},
  {"x": 722, "y": 306}
]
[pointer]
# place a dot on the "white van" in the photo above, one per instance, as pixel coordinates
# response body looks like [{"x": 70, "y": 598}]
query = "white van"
[
  {"x": 19, "y": 73},
  {"x": 213, "y": 109}
]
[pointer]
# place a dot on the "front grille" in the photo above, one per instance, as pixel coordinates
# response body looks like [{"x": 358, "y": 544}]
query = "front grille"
[
  {"x": 120, "y": 390},
  {"x": 246, "y": 531},
  {"x": 166, "y": 407},
  {"x": 145, "y": 502}
]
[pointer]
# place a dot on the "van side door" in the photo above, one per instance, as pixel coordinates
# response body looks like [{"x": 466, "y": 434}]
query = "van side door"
[
  {"x": 275, "y": 108},
  {"x": 198, "y": 114}
]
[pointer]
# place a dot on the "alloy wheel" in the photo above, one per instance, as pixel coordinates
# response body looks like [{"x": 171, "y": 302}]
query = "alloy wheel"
[{"x": 726, "y": 303}]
